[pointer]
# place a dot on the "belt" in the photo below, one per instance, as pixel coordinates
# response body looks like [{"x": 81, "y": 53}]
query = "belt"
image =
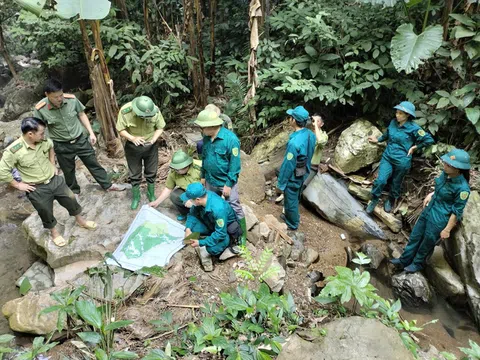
[
  {"x": 70, "y": 141},
  {"x": 43, "y": 182}
]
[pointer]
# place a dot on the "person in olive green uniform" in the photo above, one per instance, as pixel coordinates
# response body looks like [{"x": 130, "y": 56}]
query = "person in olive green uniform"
[
  {"x": 221, "y": 162},
  {"x": 33, "y": 156},
  {"x": 184, "y": 171},
  {"x": 442, "y": 209},
  {"x": 64, "y": 116},
  {"x": 141, "y": 123},
  {"x": 321, "y": 140}
]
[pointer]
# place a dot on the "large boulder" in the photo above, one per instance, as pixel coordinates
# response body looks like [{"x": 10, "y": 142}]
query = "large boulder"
[
  {"x": 464, "y": 252},
  {"x": 23, "y": 314},
  {"x": 353, "y": 151},
  {"x": 20, "y": 101},
  {"x": 111, "y": 212},
  {"x": 413, "y": 289},
  {"x": 251, "y": 182},
  {"x": 444, "y": 279},
  {"x": 332, "y": 201},
  {"x": 349, "y": 338},
  {"x": 375, "y": 255}
]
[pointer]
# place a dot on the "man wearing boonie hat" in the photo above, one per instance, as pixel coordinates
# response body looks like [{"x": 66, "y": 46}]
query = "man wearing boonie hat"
[
  {"x": 184, "y": 170},
  {"x": 221, "y": 162},
  {"x": 296, "y": 164},
  {"x": 227, "y": 123},
  {"x": 141, "y": 123},
  {"x": 443, "y": 208},
  {"x": 214, "y": 218}
]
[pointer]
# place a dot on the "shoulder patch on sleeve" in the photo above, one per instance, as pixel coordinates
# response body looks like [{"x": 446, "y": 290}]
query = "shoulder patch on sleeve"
[
  {"x": 464, "y": 195},
  {"x": 421, "y": 132},
  {"x": 235, "y": 151},
  {"x": 220, "y": 223},
  {"x": 127, "y": 110},
  {"x": 40, "y": 105},
  {"x": 69, "y": 96},
  {"x": 15, "y": 148},
  {"x": 289, "y": 156}
]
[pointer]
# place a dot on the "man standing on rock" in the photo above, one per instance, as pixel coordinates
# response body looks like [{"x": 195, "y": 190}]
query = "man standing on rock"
[
  {"x": 296, "y": 165},
  {"x": 141, "y": 123},
  {"x": 34, "y": 158},
  {"x": 184, "y": 171},
  {"x": 64, "y": 116},
  {"x": 213, "y": 218},
  {"x": 221, "y": 162}
]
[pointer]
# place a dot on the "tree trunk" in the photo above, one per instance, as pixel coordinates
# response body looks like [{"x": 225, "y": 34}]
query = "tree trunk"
[
  {"x": 121, "y": 4},
  {"x": 202, "y": 101},
  {"x": 446, "y": 17},
  {"x": 211, "y": 74},
  {"x": 105, "y": 102},
  {"x": 145, "y": 20},
  {"x": 6, "y": 56}
]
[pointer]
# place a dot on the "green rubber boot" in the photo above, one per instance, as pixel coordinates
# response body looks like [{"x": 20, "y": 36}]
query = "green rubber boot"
[
  {"x": 371, "y": 205},
  {"x": 389, "y": 204},
  {"x": 151, "y": 192},
  {"x": 243, "y": 238},
  {"x": 135, "y": 197}
]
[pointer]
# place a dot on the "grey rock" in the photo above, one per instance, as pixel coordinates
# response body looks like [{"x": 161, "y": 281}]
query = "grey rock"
[
  {"x": 264, "y": 230},
  {"x": 332, "y": 201},
  {"x": 363, "y": 193},
  {"x": 271, "y": 149},
  {"x": 315, "y": 276},
  {"x": 250, "y": 217},
  {"x": 393, "y": 223},
  {"x": 349, "y": 338},
  {"x": 375, "y": 255},
  {"x": 395, "y": 250},
  {"x": 39, "y": 275},
  {"x": 20, "y": 101},
  {"x": 254, "y": 235},
  {"x": 413, "y": 289},
  {"x": 353, "y": 151},
  {"x": 444, "y": 279},
  {"x": 277, "y": 280},
  {"x": 309, "y": 256}
]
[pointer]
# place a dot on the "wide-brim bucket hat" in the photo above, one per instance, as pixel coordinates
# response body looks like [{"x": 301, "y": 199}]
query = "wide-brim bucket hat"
[
  {"x": 457, "y": 158},
  {"x": 406, "y": 107},
  {"x": 180, "y": 160},
  {"x": 143, "y": 106},
  {"x": 207, "y": 118}
]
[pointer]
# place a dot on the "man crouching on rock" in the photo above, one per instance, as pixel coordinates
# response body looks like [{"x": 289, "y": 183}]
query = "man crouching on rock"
[
  {"x": 34, "y": 158},
  {"x": 214, "y": 218}
]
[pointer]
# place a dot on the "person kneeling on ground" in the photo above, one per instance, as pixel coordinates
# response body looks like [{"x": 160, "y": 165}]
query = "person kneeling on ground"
[
  {"x": 184, "y": 171},
  {"x": 34, "y": 158},
  {"x": 213, "y": 217}
]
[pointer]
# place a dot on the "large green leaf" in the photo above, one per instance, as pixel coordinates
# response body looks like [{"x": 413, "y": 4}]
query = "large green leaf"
[
  {"x": 86, "y": 9},
  {"x": 462, "y": 32},
  {"x": 410, "y": 50},
  {"x": 464, "y": 19},
  {"x": 34, "y": 6},
  {"x": 473, "y": 114},
  {"x": 124, "y": 355},
  {"x": 6, "y": 338},
  {"x": 25, "y": 286},
  {"x": 89, "y": 312},
  {"x": 118, "y": 324},
  {"x": 90, "y": 336}
]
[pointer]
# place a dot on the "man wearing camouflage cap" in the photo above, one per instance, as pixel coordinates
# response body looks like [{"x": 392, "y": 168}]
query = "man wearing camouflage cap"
[
  {"x": 184, "y": 170},
  {"x": 221, "y": 162},
  {"x": 141, "y": 123}
]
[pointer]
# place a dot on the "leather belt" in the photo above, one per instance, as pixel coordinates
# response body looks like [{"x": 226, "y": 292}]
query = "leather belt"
[
  {"x": 74, "y": 140},
  {"x": 43, "y": 182}
]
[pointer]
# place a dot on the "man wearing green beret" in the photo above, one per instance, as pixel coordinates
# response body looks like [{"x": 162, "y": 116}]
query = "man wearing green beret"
[
  {"x": 215, "y": 220},
  {"x": 221, "y": 162},
  {"x": 184, "y": 170},
  {"x": 141, "y": 123}
]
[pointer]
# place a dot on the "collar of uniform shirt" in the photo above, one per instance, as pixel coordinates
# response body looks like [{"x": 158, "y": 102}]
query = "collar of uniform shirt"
[
  {"x": 456, "y": 179},
  {"x": 50, "y": 106},
  {"x": 27, "y": 145}
]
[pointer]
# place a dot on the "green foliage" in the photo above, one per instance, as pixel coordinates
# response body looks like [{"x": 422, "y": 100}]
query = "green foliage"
[
  {"x": 25, "y": 286},
  {"x": 4, "y": 341},
  {"x": 257, "y": 269},
  {"x": 39, "y": 347},
  {"x": 473, "y": 353},
  {"x": 85, "y": 9}
]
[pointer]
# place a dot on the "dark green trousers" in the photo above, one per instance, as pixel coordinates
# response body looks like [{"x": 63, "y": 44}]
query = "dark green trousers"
[
  {"x": 175, "y": 199},
  {"x": 141, "y": 156},
  {"x": 66, "y": 152},
  {"x": 43, "y": 196}
]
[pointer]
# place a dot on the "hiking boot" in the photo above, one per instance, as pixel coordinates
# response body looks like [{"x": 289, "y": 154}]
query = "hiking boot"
[
  {"x": 388, "y": 205},
  {"x": 243, "y": 239},
  {"x": 398, "y": 264},
  {"x": 371, "y": 206},
  {"x": 135, "y": 197},
  {"x": 412, "y": 268},
  {"x": 151, "y": 192},
  {"x": 205, "y": 258}
]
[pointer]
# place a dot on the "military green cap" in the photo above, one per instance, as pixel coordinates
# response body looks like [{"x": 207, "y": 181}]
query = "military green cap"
[
  {"x": 180, "y": 160},
  {"x": 143, "y": 106},
  {"x": 457, "y": 158},
  {"x": 207, "y": 118}
]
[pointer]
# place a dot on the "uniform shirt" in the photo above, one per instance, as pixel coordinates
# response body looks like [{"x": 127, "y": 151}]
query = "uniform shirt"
[
  {"x": 33, "y": 164},
  {"x": 63, "y": 122},
  {"x": 216, "y": 215},
  {"x": 137, "y": 126},
  {"x": 300, "y": 147},
  {"x": 401, "y": 138},
  {"x": 175, "y": 179},
  {"x": 450, "y": 197},
  {"x": 319, "y": 145},
  {"x": 221, "y": 159}
]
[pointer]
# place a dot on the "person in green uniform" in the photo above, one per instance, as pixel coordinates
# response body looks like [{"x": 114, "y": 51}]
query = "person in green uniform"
[
  {"x": 443, "y": 208},
  {"x": 221, "y": 162},
  {"x": 213, "y": 218},
  {"x": 33, "y": 156},
  {"x": 403, "y": 138},
  {"x": 321, "y": 140},
  {"x": 141, "y": 123},
  {"x": 184, "y": 171},
  {"x": 64, "y": 116},
  {"x": 296, "y": 165}
]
